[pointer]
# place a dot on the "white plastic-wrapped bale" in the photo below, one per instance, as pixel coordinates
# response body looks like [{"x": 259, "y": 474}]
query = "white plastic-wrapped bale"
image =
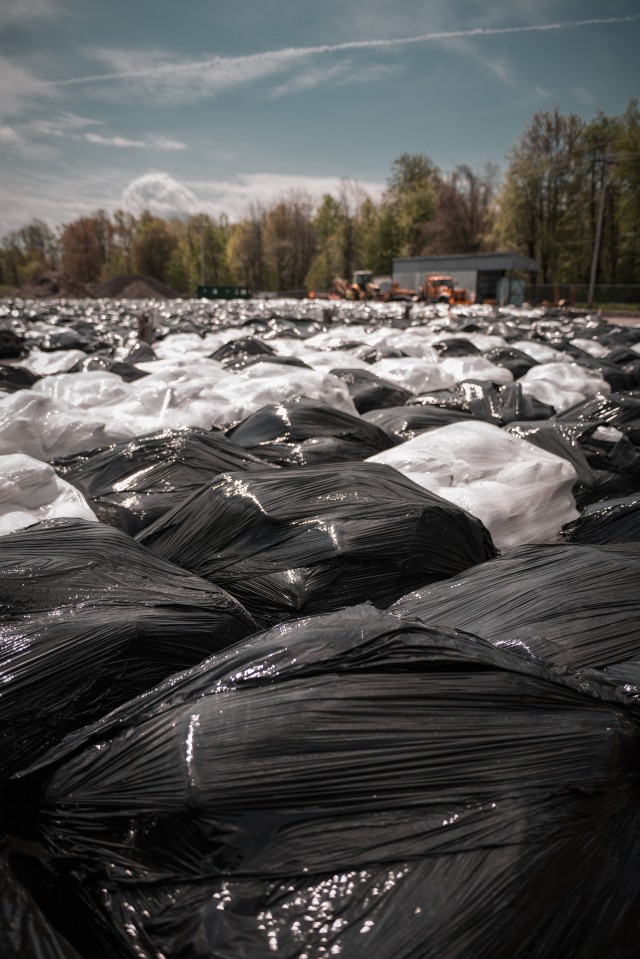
[
  {"x": 522, "y": 494},
  {"x": 46, "y": 428},
  {"x": 414, "y": 373},
  {"x": 57, "y": 362},
  {"x": 475, "y": 368},
  {"x": 30, "y": 492},
  {"x": 562, "y": 385}
]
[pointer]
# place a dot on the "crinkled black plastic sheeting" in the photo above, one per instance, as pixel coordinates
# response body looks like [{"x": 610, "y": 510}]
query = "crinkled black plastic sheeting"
[
  {"x": 90, "y": 619},
  {"x": 299, "y": 541},
  {"x": 345, "y": 785}
]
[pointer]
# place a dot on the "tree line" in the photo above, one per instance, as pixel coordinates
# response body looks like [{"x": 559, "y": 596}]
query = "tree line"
[{"x": 562, "y": 176}]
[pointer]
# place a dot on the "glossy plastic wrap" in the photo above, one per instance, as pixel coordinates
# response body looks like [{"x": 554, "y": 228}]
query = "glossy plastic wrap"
[
  {"x": 558, "y": 439},
  {"x": 415, "y": 374},
  {"x": 520, "y": 493},
  {"x": 24, "y": 931},
  {"x": 44, "y": 364},
  {"x": 132, "y": 484},
  {"x": 485, "y": 401},
  {"x": 235, "y": 353},
  {"x": 562, "y": 385},
  {"x": 297, "y": 541},
  {"x": 512, "y": 359},
  {"x": 30, "y": 492},
  {"x": 127, "y": 371},
  {"x": 84, "y": 390},
  {"x": 614, "y": 521},
  {"x": 476, "y": 368},
  {"x": 574, "y": 607},
  {"x": 371, "y": 392},
  {"x": 408, "y": 421},
  {"x": 264, "y": 383},
  {"x": 45, "y": 428},
  {"x": 621, "y": 410},
  {"x": 13, "y": 378},
  {"x": 90, "y": 618},
  {"x": 347, "y": 785},
  {"x": 309, "y": 433}
]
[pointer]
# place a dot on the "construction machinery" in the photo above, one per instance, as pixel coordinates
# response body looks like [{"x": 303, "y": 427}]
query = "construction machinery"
[
  {"x": 440, "y": 288},
  {"x": 367, "y": 287}
]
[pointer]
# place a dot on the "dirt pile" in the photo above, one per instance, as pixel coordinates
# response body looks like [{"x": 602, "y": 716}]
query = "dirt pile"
[{"x": 133, "y": 287}]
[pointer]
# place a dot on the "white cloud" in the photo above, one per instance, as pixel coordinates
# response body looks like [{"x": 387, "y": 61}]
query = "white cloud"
[
  {"x": 169, "y": 79},
  {"x": 113, "y": 141},
  {"x": 14, "y": 143},
  {"x": 25, "y": 194},
  {"x": 152, "y": 143},
  {"x": 9, "y": 135},
  {"x": 163, "y": 194},
  {"x": 19, "y": 87},
  {"x": 27, "y": 11},
  {"x": 61, "y": 125},
  {"x": 164, "y": 143},
  {"x": 159, "y": 193}
]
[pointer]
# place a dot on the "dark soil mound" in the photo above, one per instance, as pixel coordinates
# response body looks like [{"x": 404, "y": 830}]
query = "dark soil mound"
[{"x": 133, "y": 287}]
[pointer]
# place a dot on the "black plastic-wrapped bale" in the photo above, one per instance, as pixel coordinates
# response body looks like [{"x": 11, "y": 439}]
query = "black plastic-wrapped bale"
[
  {"x": 133, "y": 483},
  {"x": 621, "y": 410},
  {"x": 567, "y": 605},
  {"x": 486, "y": 401},
  {"x": 90, "y": 619},
  {"x": 309, "y": 433},
  {"x": 614, "y": 521},
  {"x": 459, "y": 346},
  {"x": 558, "y": 439},
  {"x": 98, "y": 361},
  {"x": 315, "y": 539},
  {"x": 370, "y": 391},
  {"x": 511, "y": 359},
  {"x": 408, "y": 421},
  {"x": 14, "y": 378},
  {"x": 349, "y": 785}
]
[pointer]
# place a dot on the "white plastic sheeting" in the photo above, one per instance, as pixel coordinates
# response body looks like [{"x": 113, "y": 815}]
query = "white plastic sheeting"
[
  {"x": 46, "y": 428},
  {"x": 521, "y": 493},
  {"x": 561, "y": 385},
  {"x": 414, "y": 374},
  {"x": 46, "y": 363},
  {"x": 476, "y": 368},
  {"x": 74, "y": 412},
  {"x": 30, "y": 492}
]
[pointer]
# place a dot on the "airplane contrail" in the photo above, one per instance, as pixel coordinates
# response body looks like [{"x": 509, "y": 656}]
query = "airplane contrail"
[{"x": 276, "y": 58}]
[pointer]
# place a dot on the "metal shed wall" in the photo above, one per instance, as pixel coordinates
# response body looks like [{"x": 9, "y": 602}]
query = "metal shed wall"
[{"x": 411, "y": 271}]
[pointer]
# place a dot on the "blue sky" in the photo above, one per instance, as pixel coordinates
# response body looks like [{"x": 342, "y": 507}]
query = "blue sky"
[{"x": 210, "y": 105}]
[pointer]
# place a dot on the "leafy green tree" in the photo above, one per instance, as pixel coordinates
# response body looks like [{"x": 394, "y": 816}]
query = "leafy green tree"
[
  {"x": 153, "y": 248},
  {"x": 412, "y": 191},
  {"x": 82, "y": 250},
  {"x": 246, "y": 250},
  {"x": 537, "y": 205},
  {"x": 625, "y": 177}
]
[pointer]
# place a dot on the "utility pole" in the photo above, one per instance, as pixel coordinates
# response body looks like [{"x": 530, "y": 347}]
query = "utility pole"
[{"x": 598, "y": 237}]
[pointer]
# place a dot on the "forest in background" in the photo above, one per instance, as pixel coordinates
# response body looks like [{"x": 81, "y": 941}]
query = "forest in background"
[{"x": 546, "y": 205}]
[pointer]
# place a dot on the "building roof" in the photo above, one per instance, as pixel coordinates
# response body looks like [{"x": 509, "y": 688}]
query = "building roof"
[{"x": 464, "y": 261}]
